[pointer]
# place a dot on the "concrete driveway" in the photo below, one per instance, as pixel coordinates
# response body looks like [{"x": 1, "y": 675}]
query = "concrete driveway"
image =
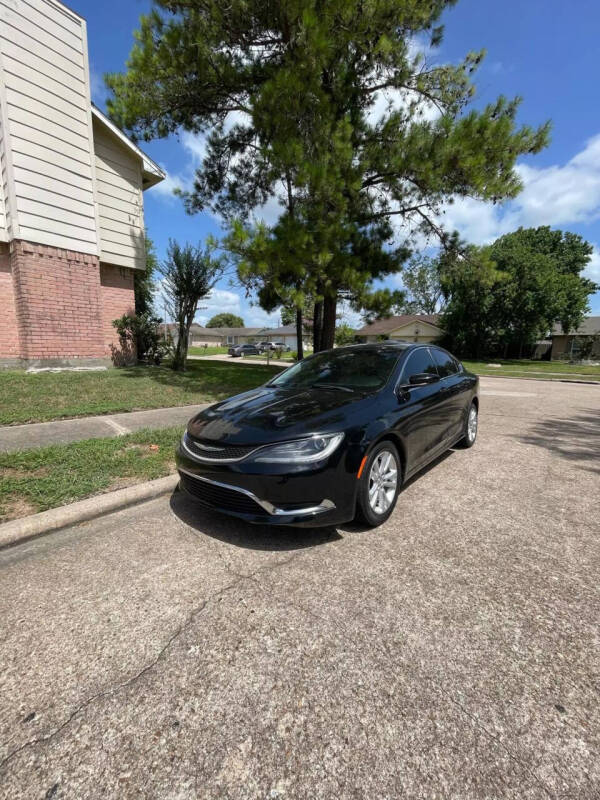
[{"x": 164, "y": 652}]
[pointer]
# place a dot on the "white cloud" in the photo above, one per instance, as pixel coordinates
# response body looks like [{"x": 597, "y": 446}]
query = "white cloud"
[
  {"x": 593, "y": 268},
  {"x": 195, "y": 145},
  {"x": 256, "y": 317},
  {"x": 220, "y": 301},
  {"x": 558, "y": 195},
  {"x": 166, "y": 187}
]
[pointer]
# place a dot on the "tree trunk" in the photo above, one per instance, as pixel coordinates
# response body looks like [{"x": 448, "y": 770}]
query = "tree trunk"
[
  {"x": 329, "y": 311},
  {"x": 317, "y": 325},
  {"x": 181, "y": 347},
  {"x": 299, "y": 335}
]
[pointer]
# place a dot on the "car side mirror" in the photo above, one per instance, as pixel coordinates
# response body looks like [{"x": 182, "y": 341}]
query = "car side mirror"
[{"x": 422, "y": 379}]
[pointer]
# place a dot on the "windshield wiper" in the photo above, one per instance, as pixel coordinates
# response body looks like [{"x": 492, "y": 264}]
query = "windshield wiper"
[{"x": 332, "y": 386}]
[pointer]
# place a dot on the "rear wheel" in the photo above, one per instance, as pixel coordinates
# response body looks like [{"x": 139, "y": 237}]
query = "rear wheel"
[
  {"x": 380, "y": 482},
  {"x": 471, "y": 426}
]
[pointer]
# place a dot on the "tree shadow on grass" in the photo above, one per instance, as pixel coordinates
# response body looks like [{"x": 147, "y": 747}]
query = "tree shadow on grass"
[
  {"x": 203, "y": 376},
  {"x": 576, "y": 438},
  {"x": 244, "y": 534}
]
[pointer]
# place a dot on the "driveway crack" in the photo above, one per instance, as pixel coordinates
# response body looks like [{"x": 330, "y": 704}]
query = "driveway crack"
[{"x": 239, "y": 578}]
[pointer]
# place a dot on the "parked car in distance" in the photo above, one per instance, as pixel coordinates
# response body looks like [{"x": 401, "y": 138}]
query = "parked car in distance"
[
  {"x": 332, "y": 438},
  {"x": 243, "y": 350},
  {"x": 283, "y": 347},
  {"x": 264, "y": 346}
]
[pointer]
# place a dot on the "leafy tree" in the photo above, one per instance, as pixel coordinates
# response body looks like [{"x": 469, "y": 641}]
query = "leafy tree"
[
  {"x": 504, "y": 297},
  {"x": 544, "y": 284},
  {"x": 421, "y": 277},
  {"x": 302, "y": 78},
  {"x": 344, "y": 334},
  {"x": 469, "y": 283},
  {"x": 225, "y": 320},
  {"x": 144, "y": 286},
  {"x": 288, "y": 312},
  {"x": 379, "y": 304},
  {"x": 189, "y": 273}
]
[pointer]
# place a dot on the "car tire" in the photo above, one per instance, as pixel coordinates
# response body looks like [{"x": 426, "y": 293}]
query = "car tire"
[
  {"x": 376, "y": 501},
  {"x": 471, "y": 426}
]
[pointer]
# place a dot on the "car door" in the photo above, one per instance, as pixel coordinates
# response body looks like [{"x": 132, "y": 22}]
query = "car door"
[
  {"x": 420, "y": 418},
  {"x": 453, "y": 391}
]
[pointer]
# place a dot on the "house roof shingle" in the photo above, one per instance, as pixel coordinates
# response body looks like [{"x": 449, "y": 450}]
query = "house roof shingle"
[
  {"x": 382, "y": 326},
  {"x": 588, "y": 327}
]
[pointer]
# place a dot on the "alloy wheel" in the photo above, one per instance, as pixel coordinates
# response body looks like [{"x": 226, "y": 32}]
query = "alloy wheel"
[
  {"x": 472, "y": 424},
  {"x": 383, "y": 481}
]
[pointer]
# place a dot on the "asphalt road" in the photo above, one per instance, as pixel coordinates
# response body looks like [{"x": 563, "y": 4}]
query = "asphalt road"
[{"x": 163, "y": 652}]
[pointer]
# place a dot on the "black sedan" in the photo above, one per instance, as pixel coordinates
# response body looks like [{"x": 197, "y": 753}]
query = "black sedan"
[
  {"x": 243, "y": 350},
  {"x": 331, "y": 438}
]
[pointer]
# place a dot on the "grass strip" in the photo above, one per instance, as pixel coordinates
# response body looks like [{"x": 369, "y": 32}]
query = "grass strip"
[
  {"x": 44, "y": 396},
  {"x": 526, "y": 367},
  {"x": 36, "y": 480}
]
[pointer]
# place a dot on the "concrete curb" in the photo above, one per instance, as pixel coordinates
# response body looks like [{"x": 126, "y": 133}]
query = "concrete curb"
[
  {"x": 20, "y": 530},
  {"x": 544, "y": 380}
]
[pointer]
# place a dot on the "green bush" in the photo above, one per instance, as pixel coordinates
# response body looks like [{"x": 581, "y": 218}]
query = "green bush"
[{"x": 139, "y": 339}]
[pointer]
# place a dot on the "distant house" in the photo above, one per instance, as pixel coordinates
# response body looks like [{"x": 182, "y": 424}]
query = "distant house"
[
  {"x": 286, "y": 334},
  {"x": 71, "y": 208},
  {"x": 568, "y": 345},
  {"x": 408, "y": 327},
  {"x": 224, "y": 337}
]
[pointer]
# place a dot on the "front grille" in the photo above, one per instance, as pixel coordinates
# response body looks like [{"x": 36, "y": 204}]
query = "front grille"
[
  {"x": 220, "y": 497},
  {"x": 217, "y": 452}
]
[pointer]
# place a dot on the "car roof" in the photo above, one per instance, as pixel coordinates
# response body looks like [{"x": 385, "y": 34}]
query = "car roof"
[{"x": 388, "y": 344}]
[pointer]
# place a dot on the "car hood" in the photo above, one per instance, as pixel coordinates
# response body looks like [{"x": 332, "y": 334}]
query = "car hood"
[{"x": 269, "y": 414}]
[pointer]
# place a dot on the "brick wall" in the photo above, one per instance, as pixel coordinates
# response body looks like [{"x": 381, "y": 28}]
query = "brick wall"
[
  {"x": 57, "y": 295},
  {"x": 9, "y": 334},
  {"x": 59, "y": 304},
  {"x": 117, "y": 298}
]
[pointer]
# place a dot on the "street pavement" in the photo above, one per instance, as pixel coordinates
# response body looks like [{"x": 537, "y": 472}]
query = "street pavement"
[{"x": 166, "y": 652}]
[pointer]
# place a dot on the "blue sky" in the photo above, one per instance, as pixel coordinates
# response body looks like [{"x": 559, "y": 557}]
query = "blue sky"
[{"x": 542, "y": 50}]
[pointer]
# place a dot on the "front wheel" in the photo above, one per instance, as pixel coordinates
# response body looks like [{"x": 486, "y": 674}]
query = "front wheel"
[
  {"x": 471, "y": 426},
  {"x": 380, "y": 482}
]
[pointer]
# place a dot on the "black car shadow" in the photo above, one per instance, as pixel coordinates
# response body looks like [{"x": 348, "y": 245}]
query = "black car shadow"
[
  {"x": 235, "y": 531},
  {"x": 275, "y": 538}
]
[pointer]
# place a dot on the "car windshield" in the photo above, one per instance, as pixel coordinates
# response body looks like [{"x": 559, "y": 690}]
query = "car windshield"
[{"x": 342, "y": 369}]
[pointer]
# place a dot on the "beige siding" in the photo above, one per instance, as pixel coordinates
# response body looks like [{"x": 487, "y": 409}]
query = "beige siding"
[
  {"x": 47, "y": 115},
  {"x": 119, "y": 193},
  {"x": 3, "y": 190}
]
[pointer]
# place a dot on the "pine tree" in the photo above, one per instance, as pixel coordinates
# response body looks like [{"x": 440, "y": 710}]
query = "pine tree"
[{"x": 300, "y": 80}]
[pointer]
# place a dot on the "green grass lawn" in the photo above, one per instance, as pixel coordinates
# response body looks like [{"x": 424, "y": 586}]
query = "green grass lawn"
[
  {"x": 36, "y": 480},
  {"x": 534, "y": 369},
  {"x": 43, "y": 396},
  {"x": 206, "y": 351}
]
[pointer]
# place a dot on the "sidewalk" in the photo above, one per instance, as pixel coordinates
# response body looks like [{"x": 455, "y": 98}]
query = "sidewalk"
[
  {"x": 273, "y": 362},
  {"x": 40, "y": 434}
]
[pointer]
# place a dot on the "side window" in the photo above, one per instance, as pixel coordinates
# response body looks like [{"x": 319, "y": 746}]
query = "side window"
[
  {"x": 418, "y": 361},
  {"x": 445, "y": 363}
]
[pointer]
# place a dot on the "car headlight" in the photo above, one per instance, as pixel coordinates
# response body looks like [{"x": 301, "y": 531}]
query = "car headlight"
[{"x": 301, "y": 451}]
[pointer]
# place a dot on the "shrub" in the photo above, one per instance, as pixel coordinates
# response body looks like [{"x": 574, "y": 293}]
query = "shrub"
[{"x": 139, "y": 338}]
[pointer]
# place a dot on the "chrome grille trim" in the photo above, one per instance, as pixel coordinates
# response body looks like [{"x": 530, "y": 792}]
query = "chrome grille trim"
[
  {"x": 324, "y": 505},
  {"x": 209, "y": 460}
]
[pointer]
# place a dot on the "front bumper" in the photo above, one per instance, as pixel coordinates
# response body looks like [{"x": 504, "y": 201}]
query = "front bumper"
[{"x": 308, "y": 498}]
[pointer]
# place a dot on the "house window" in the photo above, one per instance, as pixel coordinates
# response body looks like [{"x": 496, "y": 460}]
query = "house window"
[{"x": 230, "y": 339}]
